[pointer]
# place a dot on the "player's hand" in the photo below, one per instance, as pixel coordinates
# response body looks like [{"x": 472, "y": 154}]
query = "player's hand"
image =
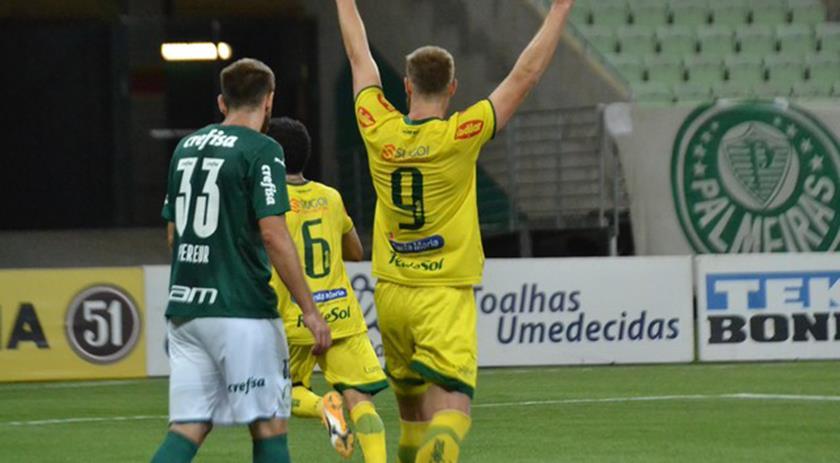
[{"x": 320, "y": 331}]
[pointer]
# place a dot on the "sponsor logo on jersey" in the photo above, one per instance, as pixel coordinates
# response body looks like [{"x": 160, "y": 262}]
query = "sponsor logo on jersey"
[
  {"x": 757, "y": 177},
  {"x": 392, "y": 152},
  {"x": 329, "y": 295},
  {"x": 365, "y": 117},
  {"x": 333, "y": 315},
  {"x": 797, "y": 307},
  {"x": 385, "y": 104},
  {"x": 426, "y": 244},
  {"x": 189, "y": 295},
  {"x": 389, "y": 151},
  {"x": 469, "y": 129},
  {"x": 102, "y": 324},
  {"x": 267, "y": 183},
  {"x": 246, "y": 386},
  {"x": 309, "y": 205},
  {"x": 215, "y": 137},
  {"x": 425, "y": 265}
]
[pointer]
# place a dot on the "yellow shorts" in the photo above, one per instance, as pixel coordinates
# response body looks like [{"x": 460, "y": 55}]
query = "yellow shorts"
[
  {"x": 429, "y": 335},
  {"x": 351, "y": 363}
]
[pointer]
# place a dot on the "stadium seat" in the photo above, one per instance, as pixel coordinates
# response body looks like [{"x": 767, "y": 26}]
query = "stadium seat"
[
  {"x": 748, "y": 70},
  {"x": 788, "y": 69},
  {"x": 835, "y": 90},
  {"x": 716, "y": 41},
  {"x": 704, "y": 70},
  {"x": 609, "y": 14},
  {"x": 689, "y": 13},
  {"x": 581, "y": 15},
  {"x": 796, "y": 38},
  {"x": 649, "y": 13},
  {"x": 812, "y": 90},
  {"x": 828, "y": 35},
  {"x": 773, "y": 89},
  {"x": 636, "y": 41},
  {"x": 653, "y": 92},
  {"x": 769, "y": 12},
  {"x": 692, "y": 92},
  {"x": 630, "y": 67},
  {"x": 726, "y": 13},
  {"x": 824, "y": 69},
  {"x": 664, "y": 69},
  {"x": 602, "y": 38},
  {"x": 676, "y": 41},
  {"x": 734, "y": 90},
  {"x": 807, "y": 11},
  {"x": 756, "y": 40}
]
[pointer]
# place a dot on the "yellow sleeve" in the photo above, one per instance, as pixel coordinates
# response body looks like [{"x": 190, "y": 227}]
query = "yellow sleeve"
[
  {"x": 372, "y": 108},
  {"x": 477, "y": 124}
]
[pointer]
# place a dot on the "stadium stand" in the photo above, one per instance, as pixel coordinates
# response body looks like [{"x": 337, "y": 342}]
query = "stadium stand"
[{"x": 733, "y": 48}]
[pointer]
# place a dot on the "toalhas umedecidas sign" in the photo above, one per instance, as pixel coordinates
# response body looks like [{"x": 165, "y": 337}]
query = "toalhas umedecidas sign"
[{"x": 756, "y": 177}]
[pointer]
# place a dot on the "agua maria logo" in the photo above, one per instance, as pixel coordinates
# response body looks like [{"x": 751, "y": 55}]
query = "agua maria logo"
[
  {"x": 469, "y": 129},
  {"x": 365, "y": 117},
  {"x": 756, "y": 177}
]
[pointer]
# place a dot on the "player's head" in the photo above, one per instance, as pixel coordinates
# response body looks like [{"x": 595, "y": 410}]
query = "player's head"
[
  {"x": 247, "y": 85},
  {"x": 430, "y": 74},
  {"x": 295, "y": 140}
]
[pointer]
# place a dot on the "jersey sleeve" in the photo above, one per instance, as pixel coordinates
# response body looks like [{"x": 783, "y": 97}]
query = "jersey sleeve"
[
  {"x": 476, "y": 125},
  {"x": 372, "y": 108},
  {"x": 268, "y": 182}
]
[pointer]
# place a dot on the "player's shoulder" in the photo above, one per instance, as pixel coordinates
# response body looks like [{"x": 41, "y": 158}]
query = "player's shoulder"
[
  {"x": 474, "y": 120},
  {"x": 327, "y": 190}
]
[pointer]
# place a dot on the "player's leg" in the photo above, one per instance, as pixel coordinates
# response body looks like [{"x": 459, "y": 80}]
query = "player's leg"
[
  {"x": 392, "y": 301},
  {"x": 193, "y": 394},
  {"x": 270, "y": 441},
  {"x": 352, "y": 368},
  {"x": 445, "y": 355},
  {"x": 305, "y": 403}
]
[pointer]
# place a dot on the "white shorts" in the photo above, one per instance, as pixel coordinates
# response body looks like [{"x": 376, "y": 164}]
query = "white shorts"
[{"x": 228, "y": 371}]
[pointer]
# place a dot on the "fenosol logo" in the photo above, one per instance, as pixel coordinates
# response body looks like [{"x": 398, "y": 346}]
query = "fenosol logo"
[
  {"x": 756, "y": 177},
  {"x": 102, "y": 324}
]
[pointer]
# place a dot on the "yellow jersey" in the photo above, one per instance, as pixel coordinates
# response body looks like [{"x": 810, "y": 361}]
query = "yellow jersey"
[
  {"x": 426, "y": 230},
  {"x": 317, "y": 222}
]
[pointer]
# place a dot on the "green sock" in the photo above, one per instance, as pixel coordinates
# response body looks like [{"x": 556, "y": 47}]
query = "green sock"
[
  {"x": 272, "y": 450},
  {"x": 175, "y": 449}
]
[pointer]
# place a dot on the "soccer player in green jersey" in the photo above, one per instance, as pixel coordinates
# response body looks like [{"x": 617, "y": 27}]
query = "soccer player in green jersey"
[{"x": 225, "y": 205}]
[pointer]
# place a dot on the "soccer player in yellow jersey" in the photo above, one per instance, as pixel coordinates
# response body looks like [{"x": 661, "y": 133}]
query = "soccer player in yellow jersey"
[
  {"x": 427, "y": 250},
  {"x": 325, "y": 236}
]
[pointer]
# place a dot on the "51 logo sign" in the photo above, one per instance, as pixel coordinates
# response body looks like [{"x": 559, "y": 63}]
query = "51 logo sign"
[{"x": 102, "y": 324}]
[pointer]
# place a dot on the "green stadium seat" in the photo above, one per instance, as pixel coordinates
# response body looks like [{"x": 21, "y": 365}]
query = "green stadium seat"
[
  {"x": 769, "y": 12},
  {"x": 653, "y": 92},
  {"x": 726, "y": 13},
  {"x": 785, "y": 68},
  {"x": 638, "y": 41},
  {"x": 748, "y": 70},
  {"x": 609, "y": 14},
  {"x": 756, "y": 40},
  {"x": 630, "y": 67},
  {"x": 734, "y": 90},
  {"x": 828, "y": 36},
  {"x": 810, "y": 90},
  {"x": 666, "y": 70},
  {"x": 651, "y": 14},
  {"x": 676, "y": 41},
  {"x": 716, "y": 41},
  {"x": 704, "y": 70},
  {"x": 773, "y": 89},
  {"x": 689, "y": 13},
  {"x": 824, "y": 68},
  {"x": 796, "y": 38},
  {"x": 602, "y": 39},
  {"x": 692, "y": 92},
  {"x": 807, "y": 11},
  {"x": 581, "y": 15}
]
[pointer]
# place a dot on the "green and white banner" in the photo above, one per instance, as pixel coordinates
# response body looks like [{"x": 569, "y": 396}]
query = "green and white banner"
[{"x": 731, "y": 177}]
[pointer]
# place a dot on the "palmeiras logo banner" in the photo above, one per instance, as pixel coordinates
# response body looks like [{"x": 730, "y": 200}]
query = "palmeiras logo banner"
[{"x": 756, "y": 177}]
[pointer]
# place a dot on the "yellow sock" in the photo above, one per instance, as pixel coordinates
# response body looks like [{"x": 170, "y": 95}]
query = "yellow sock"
[
  {"x": 305, "y": 403},
  {"x": 442, "y": 441},
  {"x": 411, "y": 436},
  {"x": 370, "y": 432}
]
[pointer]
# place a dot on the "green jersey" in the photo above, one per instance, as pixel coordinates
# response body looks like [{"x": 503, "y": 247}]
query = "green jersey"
[{"x": 222, "y": 181}]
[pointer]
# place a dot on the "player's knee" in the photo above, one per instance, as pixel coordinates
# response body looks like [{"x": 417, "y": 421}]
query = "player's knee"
[
  {"x": 353, "y": 398},
  {"x": 266, "y": 429},
  {"x": 195, "y": 432}
]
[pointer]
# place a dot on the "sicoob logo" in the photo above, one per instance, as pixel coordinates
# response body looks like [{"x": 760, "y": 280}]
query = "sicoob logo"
[
  {"x": 102, "y": 324},
  {"x": 469, "y": 129},
  {"x": 756, "y": 177}
]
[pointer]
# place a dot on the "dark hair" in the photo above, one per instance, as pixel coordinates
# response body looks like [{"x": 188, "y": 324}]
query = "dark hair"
[
  {"x": 295, "y": 140},
  {"x": 246, "y": 82},
  {"x": 430, "y": 69}
]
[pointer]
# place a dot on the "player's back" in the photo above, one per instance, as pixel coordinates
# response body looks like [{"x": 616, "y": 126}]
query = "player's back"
[
  {"x": 317, "y": 223},
  {"x": 426, "y": 231},
  {"x": 222, "y": 181}
]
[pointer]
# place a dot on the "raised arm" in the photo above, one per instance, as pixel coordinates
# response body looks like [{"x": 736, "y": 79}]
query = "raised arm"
[
  {"x": 284, "y": 257},
  {"x": 365, "y": 71},
  {"x": 351, "y": 247},
  {"x": 531, "y": 64}
]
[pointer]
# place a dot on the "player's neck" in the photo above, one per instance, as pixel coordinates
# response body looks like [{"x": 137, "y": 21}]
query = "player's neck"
[
  {"x": 427, "y": 108},
  {"x": 296, "y": 179},
  {"x": 254, "y": 120}
]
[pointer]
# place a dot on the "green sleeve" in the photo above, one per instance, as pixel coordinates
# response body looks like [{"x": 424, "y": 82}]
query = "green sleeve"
[{"x": 268, "y": 176}]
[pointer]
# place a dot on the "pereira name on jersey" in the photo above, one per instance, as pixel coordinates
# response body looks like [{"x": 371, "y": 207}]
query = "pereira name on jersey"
[
  {"x": 426, "y": 230},
  {"x": 222, "y": 181}
]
